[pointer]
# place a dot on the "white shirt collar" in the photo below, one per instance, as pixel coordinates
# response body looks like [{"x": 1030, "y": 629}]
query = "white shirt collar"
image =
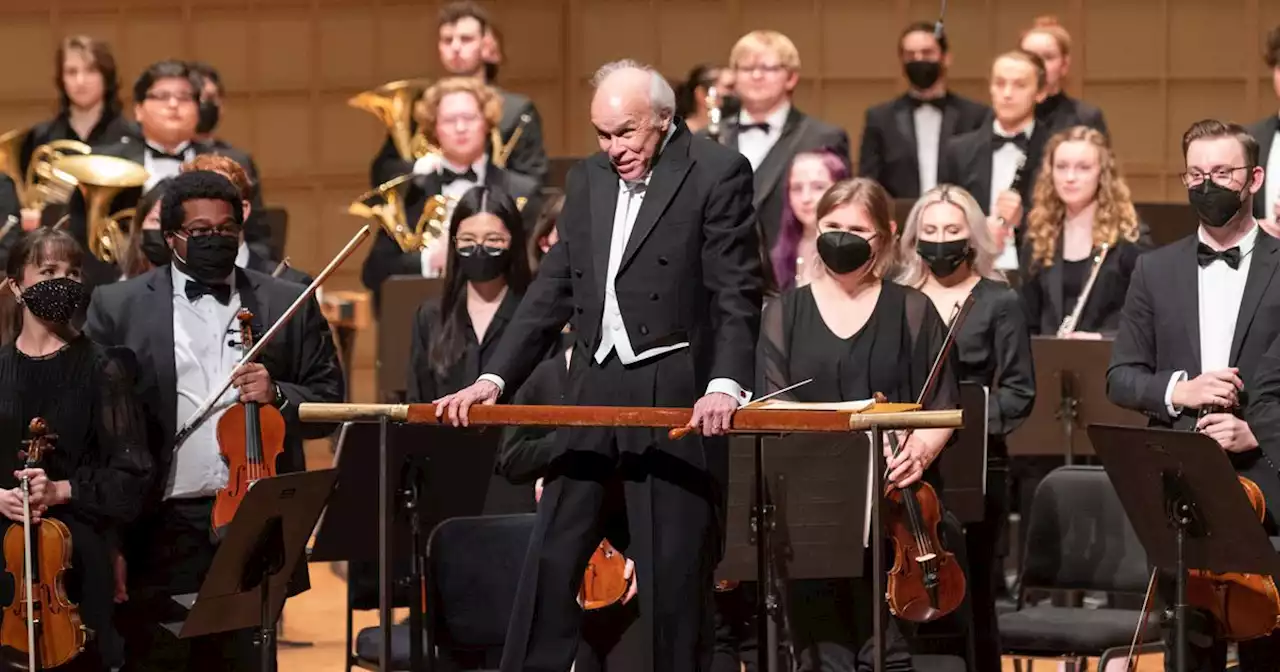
[
  {"x": 1026, "y": 130},
  {"x": 1247, "y": 241},
  {"x": 776, "y": 118},
  {"x": 242, "y": 255},
  {"x": 180, "y": 280},
  {"x": 478, "y": 166},
  {"x": 180, "y": 150}
]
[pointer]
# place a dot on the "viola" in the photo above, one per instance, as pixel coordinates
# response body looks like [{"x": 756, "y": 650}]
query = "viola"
[
  {"x": 603, "y": 581},
  {"x": 250, "y": 438},
  {"x": 41, "y": 622}
]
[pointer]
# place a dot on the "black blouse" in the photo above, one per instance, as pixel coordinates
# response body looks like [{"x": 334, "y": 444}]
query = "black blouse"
[
  {"x": 425, "y": 383},
  {"x": 1045, "y": 290},
  {"x": 993, "y": 349}
]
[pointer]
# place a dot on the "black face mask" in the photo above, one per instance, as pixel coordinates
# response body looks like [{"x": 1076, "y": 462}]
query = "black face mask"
[
  {"x": 944, "y": 258},
  {"x": 923, "y": 74},
  {"x": 55, "y": 301},
  {"x": 210, "y": 259},
  {"x": 484, "y": 263},
  {"x": 154, "y": 248},
  {"x": 209, "y": 113},
  {"x": 1215, "y": 204},
  {"x": 843, "y": 252}
]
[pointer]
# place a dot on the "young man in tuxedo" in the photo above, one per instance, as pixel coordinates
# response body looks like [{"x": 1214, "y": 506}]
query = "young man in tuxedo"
[
  {"x": 466, "y": 47},
  {"x": 658, "y": 268},
  {"x": 1266, "y": 204},
  {"x": 989, "y": 161},
  {"x": 902, "y": 139},
  {"x": 459, "y": 111},
  {"x": 770, "y": 130},
  {"x": 1058, "y": 111},
  {"x": 1199, "y": 316},
  {"x": 179, "y": 319}
]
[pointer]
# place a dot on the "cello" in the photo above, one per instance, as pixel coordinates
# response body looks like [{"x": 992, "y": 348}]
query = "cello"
[
  {"x": 42, "y": 623},
  {"x": 250, "y": 438}
]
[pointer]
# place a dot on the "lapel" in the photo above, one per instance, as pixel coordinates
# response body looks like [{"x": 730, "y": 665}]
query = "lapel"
[
  {"x": 159, "y": 344},
  {"x": 253, "y": 299},
  {"x": 980, "y": 168},
  {"x": 668, "y": 174},
  {"x": 602, "y": 184},
  {"x": 1186, "y": 273},
  {"x": 950, "y": 119},
  {"x": 779, "y": 156},
  {"x": 133, "y": 149},
  {"x": 1261, "y": 269},
  {"x": 729, "y": 136},
  {"x": 904, "y": 120}
]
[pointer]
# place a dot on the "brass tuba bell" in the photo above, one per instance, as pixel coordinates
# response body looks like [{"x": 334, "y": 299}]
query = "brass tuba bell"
[
  {"x": 41, "y": 184},
  {"x": 100, "y": 178},
  {"x": 393, "y": 103}
]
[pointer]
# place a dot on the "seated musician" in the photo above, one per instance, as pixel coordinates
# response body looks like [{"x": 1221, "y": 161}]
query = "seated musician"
[
  {"x": 147, "y": 248},
  {"x": 180, "y": 320},
  {"x": 795, "y": 251},
  {"x": 464, "y": 30},
  {"x": 1081, "y": 204},
  {"x": 1199, "y": 316},
  {"x": 94, "y": 478},
  {"x": 861, "y": 334},
  {"x": 946, "y": 252},
  {"x": 458, "y": 113}
]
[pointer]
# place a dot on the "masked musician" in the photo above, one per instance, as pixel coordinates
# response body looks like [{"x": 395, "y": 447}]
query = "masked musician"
[
  {"x": 691, "y": 96},
  {"x": 986, "y": 162},
  {"x": 1052, "y": 43},
  {"x": 1266, "y": 204},
  {"x": 795, "y": 252},
  {"x": 180, "y": 321},
  {"x": 946, "y": 252},
  {"x": 147, "y": 248},
  {"x": 457, "y": 113},
  {"x": 1199, "y": 316},
  {"x": 464, "y": 40},
  {"x": 903, "y": 139},
  {"x": 1081, "y": 203},
  {"x": 93, "y": 479}
]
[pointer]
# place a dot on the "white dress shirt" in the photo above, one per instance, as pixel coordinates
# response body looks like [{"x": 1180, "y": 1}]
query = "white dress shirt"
[
  {"x": 755, "y": 143},
  {"x": 928, "y": 121},
  {"x": 1004, "y": 166},
  {"x": 1272, "y": 185},
  {"x": 452, "y": 192},
  {"x": 1221, "y": 290},
  {"x": 159, "y": 168},
  {"x": 203, "y": 358}
]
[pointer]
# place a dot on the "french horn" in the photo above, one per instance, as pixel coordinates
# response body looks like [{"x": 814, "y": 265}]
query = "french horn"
[
  {"x": 42, "y": 183},
  {"x": 393, "y": 103},
  {"x": 386, "y": 206},
  {"x": 100, "y": 178}
]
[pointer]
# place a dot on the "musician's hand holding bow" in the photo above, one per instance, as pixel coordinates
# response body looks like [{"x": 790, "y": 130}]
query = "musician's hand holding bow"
[
  {"x": 909, "y": 465},
  {"x": 254, "y": 383},
  {"x": 454, "y": 408},
  {"x": 1232, "y": 433},
  {"x": 1211, "y": 388}
]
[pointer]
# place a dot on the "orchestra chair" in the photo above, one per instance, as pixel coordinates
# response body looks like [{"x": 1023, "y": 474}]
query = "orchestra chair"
[
  {"x": 473, "y": 570},
  {"x": 1078, "y": 539},
  {"x": 277, "y": 221}
]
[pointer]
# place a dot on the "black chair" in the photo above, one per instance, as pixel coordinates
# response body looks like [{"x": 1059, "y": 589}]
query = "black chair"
[
  {"x": 277, "y": 221},
  {"x": 473, "y": 570},
  {"x": 1078, "y": 539}
]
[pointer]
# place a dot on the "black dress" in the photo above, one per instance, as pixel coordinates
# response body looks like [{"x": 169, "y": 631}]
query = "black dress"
[
  {"x": 85, "y": 394},
  {"x": 1050, "y": 292},
  {"x": 892, "y": 354}
]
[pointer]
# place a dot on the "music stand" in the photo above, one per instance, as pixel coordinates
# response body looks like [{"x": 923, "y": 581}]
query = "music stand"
[
  {"x": 247, "y": 582},
  {"x": 1186, "y": 505}
]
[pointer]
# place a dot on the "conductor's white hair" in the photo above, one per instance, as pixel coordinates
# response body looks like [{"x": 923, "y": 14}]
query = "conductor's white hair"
[{"x": 661, "y": 97}]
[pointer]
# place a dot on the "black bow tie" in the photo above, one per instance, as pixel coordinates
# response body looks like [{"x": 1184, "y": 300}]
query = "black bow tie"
[
  {"x": 221, "y": 293},
  {"x": 1020, "y": 141},
  {"x": 1207, "y": 255},
  {"x": 763, "y": 127},
  {"x": 448, "y": 176},
  {"x": 917, "y": 103},
  {"x": 161, "y": 154}
]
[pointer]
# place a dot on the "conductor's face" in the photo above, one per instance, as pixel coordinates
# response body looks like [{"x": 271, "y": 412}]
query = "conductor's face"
[{"x": 627, "y": 128}]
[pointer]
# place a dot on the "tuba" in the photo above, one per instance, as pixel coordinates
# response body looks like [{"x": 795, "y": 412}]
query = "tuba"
[
  {"x": 100, "y": 178},
  {"x": 392, "y": 103},
  {"x": 41, "y": 184}
]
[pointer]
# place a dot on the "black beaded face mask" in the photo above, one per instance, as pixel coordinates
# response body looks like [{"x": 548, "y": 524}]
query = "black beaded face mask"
[{"x": 55, "y": 300}]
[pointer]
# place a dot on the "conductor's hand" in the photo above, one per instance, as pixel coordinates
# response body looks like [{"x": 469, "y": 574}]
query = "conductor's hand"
[
  {"x": 713, "y": 414},
  {"x": 1211, "y": 388},
  {"x": 454, "y": 408},
  {"x": 1232, "y": 433},
  {"x": 254, "y": 383}
]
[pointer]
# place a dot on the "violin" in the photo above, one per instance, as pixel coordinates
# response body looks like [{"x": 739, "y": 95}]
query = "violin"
[
  {"x": 250, "y": 438},
  {"x": 42, "y": 623},
  {"x": 604, "y": 582}
]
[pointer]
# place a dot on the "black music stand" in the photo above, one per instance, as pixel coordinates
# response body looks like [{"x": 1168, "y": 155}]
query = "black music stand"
[
  {"x": 248, "y": 580},
  {"x": 1186, "y": 505}
]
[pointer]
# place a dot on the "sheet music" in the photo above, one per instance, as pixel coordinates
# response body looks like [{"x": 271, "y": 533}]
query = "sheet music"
[{"x": 848, "y": 406}]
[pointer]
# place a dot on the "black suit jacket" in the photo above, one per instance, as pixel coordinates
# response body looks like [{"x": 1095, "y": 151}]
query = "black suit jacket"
[
  {"x": 387, "y": 259},
  {"x": 889, "y": 154},
  {"x": 1060, "y": 112},
  {"x": 1265, "y": 133},
  {"x": 110, "y": 130},
  {"x": 1042, "y": 289},
  {"x": 801, "y": 133},
  {"x": 1159, "y": 335},
  {"x": 690, "y": 271},
  {"x": 528, "y": 157}
]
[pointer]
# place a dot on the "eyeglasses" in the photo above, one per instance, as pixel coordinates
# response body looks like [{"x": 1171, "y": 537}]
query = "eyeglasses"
[
  {"x": 1221, "y": 176},
  {"x": 491, "y": 245},
  {"x": 228, "y": 230},
  {"x": 174, "y": 96},
  {"x": 460, "y": 119}
]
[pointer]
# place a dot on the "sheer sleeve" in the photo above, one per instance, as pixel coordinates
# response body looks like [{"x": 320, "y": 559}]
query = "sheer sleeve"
[
  {"x": 772, "y": 356},
  {"x": 1014, "y": 390},
  {"x": 928, "y": 332},
  {"x": 113, "y": 483}
]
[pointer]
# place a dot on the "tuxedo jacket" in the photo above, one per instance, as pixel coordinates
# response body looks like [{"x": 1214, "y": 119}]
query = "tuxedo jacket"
[
  {"x": 889, "y": 153},
  {"x": 967, "y": 162},
  {"x": 1060, "y": 112},
  {"x": 528, "y": 157},
  {"x": 1265, "y": 133},
  {"x": 1159, "y": 334},
  {"x": 1042, "y": 289},
  {"x": 800, "y": 133}
]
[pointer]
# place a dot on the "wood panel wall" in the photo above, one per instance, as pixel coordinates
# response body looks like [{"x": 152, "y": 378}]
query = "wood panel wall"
[{"x": 289, "y": 66}]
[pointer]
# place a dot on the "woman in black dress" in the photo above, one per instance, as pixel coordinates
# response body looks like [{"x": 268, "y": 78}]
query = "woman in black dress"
[
  {"x": 855, "y": 333},
  {"x": 94, "y": 478},
  {"x": 946, "y": 251}
]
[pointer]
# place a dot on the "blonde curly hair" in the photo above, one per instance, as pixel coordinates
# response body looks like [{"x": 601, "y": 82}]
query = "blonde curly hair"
[
  {"x": 428, "y": 106},
  {"x": 1115, "y": 219}
]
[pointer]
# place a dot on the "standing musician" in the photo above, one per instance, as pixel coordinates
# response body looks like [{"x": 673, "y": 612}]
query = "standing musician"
[
  {"x": 463, "y": 30},
  {"x": 1052, "y": 43},
  {"x": 658, "y": 268},
  {"x": 1199, "y": 316},
  {"x": 1081, "y": 204},
  {"x": 903, "y": 139},
  {"x": 94, "y": 478},
  {"x": 180, "y": 320},
  {"x": 986, "y": 162},
  {"x": 946, "y": 252},
  {"x": 1266, "y": 204}
]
